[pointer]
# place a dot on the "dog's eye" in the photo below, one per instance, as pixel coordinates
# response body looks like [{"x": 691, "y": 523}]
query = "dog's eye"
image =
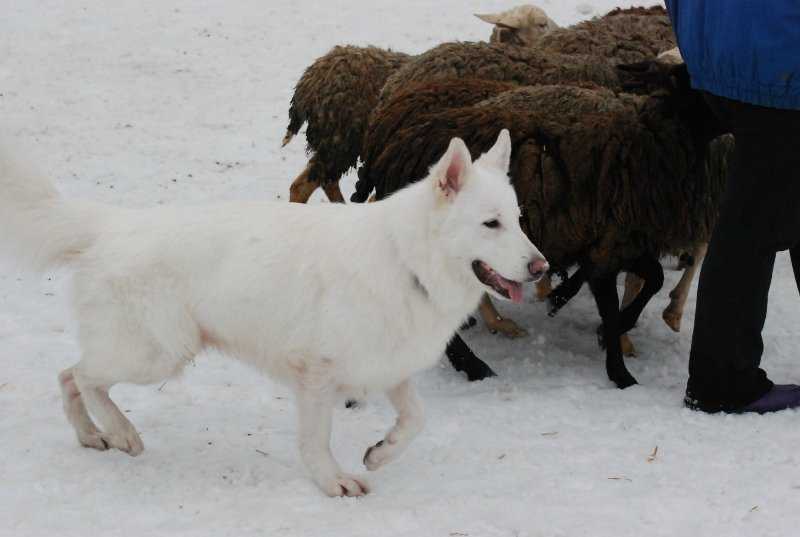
[{"x": 492, "y": 223}]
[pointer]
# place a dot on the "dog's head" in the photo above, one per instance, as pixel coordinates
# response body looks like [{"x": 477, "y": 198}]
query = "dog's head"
[{"x": 477, "y": 219}]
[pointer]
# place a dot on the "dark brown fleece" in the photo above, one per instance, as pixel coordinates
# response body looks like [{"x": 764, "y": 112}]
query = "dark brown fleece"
[
  {"x": 602, "y": 177},
  {"x": 335, "y": 95},
  {"x": 338, "y": 92}
]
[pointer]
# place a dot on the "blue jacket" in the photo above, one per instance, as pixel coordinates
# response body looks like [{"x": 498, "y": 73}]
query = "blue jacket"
[{"x": 748, "y": 50}]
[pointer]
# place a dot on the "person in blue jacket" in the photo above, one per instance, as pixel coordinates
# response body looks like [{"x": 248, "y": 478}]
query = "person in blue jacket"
[{"x": 745, "y": 56}]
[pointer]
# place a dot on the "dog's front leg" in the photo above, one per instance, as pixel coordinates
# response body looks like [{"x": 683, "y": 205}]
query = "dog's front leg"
[
  {"x": 315, "y": 415},
  {"x": 410, "y": 421}
]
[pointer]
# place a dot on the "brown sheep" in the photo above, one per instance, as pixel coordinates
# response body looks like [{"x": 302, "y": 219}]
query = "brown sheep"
[
  {"x": 622, "y": 35},
  {"x": 336, "y": 94},
  {"x": 609, "y": 182}
]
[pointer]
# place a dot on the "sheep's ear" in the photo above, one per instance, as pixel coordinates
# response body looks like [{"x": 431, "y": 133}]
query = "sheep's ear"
[
  {"x": 450, "y": 173},
  {"x": 499, "y": 156},
  {"x": 500, "y": 19},
  {"x": 670, "y": 57}
]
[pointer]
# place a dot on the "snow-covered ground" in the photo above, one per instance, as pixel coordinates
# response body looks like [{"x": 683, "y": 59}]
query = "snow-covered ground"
[{"x": 156, "y": 101}]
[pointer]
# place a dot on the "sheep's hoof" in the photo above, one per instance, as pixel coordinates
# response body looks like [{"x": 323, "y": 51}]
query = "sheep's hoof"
[
  {"x": 480, "y": 371},
  {"x": 623, "y": 380},
  {"x": 628, "y": 349},
  {"x": 554, "y": 304},
  {"x": 507, "y": 327},
  {"x": 673, "y": 319}
]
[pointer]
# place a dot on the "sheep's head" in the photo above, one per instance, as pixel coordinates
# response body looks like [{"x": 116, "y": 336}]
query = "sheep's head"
[{"x": 522, "y": 25}]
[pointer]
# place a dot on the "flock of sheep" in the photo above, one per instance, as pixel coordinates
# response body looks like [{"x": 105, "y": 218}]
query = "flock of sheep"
[{"x": 616, "y": 161}]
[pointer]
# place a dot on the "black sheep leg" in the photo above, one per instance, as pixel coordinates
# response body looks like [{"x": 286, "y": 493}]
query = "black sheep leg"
[
  {"x": 566, "y": 290},
  {"x": 795, "y": 252},
  {"x": 650, "y": 270},
  {"x": 463, "y": 359},
  {"x": 605, "y": 294}
]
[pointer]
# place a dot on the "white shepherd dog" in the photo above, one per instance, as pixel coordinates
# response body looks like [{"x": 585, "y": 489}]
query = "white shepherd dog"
[{"x": 333, "y": 300}]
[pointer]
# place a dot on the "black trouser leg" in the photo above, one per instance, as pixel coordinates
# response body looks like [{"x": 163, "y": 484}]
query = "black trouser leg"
[
  {"x": 759, "y": 216},
  {"x": 605, "y": 294}
]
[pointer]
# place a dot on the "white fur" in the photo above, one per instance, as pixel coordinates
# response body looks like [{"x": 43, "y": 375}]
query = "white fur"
[
  {"x": 333, "y": 300},
  {"x": 527, "y": 23}
]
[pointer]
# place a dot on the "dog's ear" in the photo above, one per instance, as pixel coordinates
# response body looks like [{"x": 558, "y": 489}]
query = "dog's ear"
[
  {"x": 451, "y": 171},
  {"x": 499, "y": 156}
]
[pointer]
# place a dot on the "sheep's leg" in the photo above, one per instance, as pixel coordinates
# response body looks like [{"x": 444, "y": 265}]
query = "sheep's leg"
[
  {"x": 605, "y": 294},
  {"x": 673, "y": 313},
  {"x": 302, "y": 187},
  {"x": 333, "y": 192},
  {"x": 544, "y": 287},
  {"x": 633, "y": 286},
  {"x": 496, "y": 322},
  {"x": 685, "y": 261},
  {"x": 650, "y": 270},
  {"x": 463, "y": 359},
  {"x": 565, "y": 291},
  {"x": 795, "y": 253}
]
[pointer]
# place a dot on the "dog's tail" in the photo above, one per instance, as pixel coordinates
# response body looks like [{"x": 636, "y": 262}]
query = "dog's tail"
[{"x": 38, "y": 228}]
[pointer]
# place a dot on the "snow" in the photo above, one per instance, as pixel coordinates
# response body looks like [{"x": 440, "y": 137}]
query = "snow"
[{"x": 147, "y": 102}]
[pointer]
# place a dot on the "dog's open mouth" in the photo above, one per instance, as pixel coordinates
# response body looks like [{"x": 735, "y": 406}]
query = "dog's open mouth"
[{"x": 491, "y": 278}]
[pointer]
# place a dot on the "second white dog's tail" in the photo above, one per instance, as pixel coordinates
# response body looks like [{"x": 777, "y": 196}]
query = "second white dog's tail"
[{"x": 37, "y": 226}]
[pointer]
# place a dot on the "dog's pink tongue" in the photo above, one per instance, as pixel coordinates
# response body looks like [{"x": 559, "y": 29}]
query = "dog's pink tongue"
[{"x": 514, "y": 290}]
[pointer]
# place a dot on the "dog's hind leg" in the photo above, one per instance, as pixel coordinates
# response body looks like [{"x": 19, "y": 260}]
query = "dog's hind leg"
[
  {"x": 75, "y": 409},
  {"x": 315, "y": 417},
  {"x": 117, "y": 432},
  {"x": 410, "y": 421}
]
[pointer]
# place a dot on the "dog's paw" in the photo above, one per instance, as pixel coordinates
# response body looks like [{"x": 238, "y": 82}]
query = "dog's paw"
[
  {"x": 345, "y": 485},
  {"x": 382, "y": 453},
  {"x": 375, "y": 456},
  {"x": 128, "y": 441},
  {"x": 93, "y": 440}
]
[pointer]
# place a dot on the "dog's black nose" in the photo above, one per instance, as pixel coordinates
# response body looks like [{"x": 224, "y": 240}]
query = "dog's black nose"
[{"x": 538, "y": 268}]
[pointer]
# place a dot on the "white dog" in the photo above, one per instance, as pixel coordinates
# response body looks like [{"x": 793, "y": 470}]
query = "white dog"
[{"x": 333, "y": 300}]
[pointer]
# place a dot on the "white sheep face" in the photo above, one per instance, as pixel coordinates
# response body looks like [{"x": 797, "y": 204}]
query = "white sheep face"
[{"x": 522, "y": 25}]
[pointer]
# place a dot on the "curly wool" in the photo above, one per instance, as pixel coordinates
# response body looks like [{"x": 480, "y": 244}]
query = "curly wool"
[
  {"x": 603, "y": 178},
  {"x": 338, "y": 92},
  {"x": 622, "y": 36},
  {"x": 335, "y": 96}
]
